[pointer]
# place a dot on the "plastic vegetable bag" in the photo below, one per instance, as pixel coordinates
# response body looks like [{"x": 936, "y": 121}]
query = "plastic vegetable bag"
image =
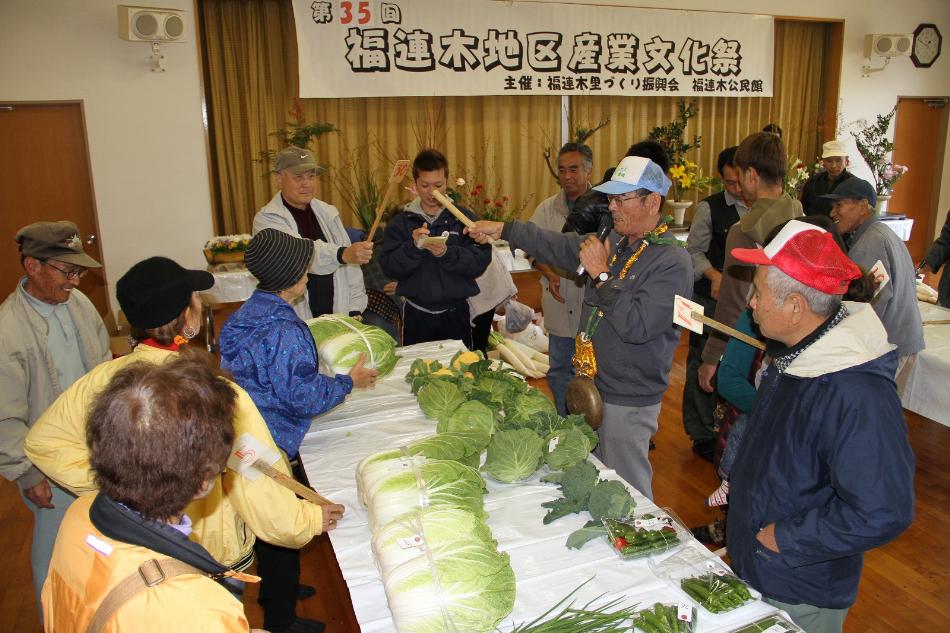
[
  {"x": 705, "y": 579},
  {"x": 341, "y": 339},
  {"x": 518, "y": 316}
]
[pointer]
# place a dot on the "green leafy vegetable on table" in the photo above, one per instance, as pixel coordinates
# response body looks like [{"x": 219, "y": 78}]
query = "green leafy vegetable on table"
[{"x": 341, "y": 339}]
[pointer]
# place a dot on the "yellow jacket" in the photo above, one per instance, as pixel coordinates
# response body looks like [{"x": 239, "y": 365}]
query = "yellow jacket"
[
  {"x": 227, "y": 520},
  {"x": 81, "y": 576}
]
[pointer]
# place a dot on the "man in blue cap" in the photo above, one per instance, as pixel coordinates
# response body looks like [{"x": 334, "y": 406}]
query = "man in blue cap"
[
  {"x": 627, "y": 320},
  {"x": 869, "y": 240}
]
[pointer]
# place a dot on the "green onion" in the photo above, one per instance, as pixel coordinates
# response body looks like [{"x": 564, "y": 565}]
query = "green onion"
[{"x": 581, "y": 620}]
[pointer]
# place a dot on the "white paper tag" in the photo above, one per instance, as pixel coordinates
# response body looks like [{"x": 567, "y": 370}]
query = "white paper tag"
[
  {"x": 775, "y": 628},
  {"x": 246, "y": 450},
  {"x": 716, "y": 569},
  {"x": 684, "y": 611},
  {"x": 647, "y": 524},
  {"x": 880, "y": 276},
  {"x": 409, "y": 543},
  {"x": 98, "y": 544},
  {"x": 683, "y": 310},
  {"x": 553, "y": 443}
]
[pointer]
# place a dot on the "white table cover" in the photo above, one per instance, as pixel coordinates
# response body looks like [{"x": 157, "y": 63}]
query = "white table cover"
[
  {"x": 232, "y": 283},
  {"x": 545, "y": 569},
  {"x": 926, "y": 392}
]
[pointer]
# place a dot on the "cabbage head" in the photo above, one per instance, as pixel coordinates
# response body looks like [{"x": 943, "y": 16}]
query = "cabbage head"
[
  {"x": 473, "y": 420},
  {"x": 341, "y": 339},
  {"x": 475, "y": 590},
  {"x": 513, "y": 455},
  {"x": 520, "y": 409},
  {"x": 439, "y": 399},
  {"x": 570, "y": 446}
]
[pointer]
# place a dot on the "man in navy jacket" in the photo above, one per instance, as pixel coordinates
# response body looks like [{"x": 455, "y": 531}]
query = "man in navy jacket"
[
  {"x": 435, "y": 277},
  {"x": 825, "y": 471}
]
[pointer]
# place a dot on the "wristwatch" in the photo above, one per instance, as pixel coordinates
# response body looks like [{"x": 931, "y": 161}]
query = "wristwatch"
[{"x": 603, "y": 277}]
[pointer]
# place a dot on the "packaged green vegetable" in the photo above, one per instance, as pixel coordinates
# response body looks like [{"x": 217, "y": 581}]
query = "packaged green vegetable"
[
  {"x": 775, "y": 623},
  {"x": 667, "y": 618},
  {"x": 717, "y": 592},
  {"x": 642, "y": 536}
]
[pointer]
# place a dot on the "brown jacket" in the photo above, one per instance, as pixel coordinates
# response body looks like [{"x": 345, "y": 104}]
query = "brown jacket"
[{"x": 748, "y": 232}]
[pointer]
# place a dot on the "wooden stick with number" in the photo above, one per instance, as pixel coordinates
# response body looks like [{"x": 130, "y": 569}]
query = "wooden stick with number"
[
  {"x": 454, "y": 210},
  {"x": 290, "y": 483},
  {"x": 399, "y": 172},
  {"x": 725, "y": 329}
]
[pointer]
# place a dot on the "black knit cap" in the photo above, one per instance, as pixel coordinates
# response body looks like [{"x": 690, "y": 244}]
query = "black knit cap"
[
  {"x": 156, "y": 290},
  {"x": 277, "y": 259}
]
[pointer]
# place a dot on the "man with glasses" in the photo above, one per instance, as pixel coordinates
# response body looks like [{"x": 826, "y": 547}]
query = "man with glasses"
[
  {"x": 627, "y": 320},
  {"x": 707, "y": 248},
  {"x": 50, "y": 335}
]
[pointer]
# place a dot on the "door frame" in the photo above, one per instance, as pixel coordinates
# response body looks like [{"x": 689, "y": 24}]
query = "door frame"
[{"x": 92, "y": 183}]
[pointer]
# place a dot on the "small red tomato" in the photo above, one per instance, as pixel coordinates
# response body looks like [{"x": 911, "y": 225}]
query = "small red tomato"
[{"x": 620, "y": 542}]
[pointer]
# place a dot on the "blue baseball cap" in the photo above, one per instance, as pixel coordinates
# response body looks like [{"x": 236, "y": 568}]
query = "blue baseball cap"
[{"x": 854, "y": 189}]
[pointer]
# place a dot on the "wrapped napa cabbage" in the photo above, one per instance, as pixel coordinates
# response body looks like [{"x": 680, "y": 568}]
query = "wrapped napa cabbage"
[
  {"x": 404, "y": 486},
  {"x": 460, "y": 585},
  {"x": 341, "y": 339},
  {"x": 404, "y": 537}
]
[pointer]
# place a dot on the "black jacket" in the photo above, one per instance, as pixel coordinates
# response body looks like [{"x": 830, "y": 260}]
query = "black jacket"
[{"x": 433, "y": 282}]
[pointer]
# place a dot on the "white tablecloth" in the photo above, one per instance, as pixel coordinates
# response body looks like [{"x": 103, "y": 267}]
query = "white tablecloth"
[
  {"x": 545, "y": 569},
  {"x": 232, "y": 283},
  {"x": 927, "y": 390},
  {"x": 901, "y": 226}
]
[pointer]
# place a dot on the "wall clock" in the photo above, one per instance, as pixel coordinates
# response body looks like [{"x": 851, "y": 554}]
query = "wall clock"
[{"x": 927, "y": 42}]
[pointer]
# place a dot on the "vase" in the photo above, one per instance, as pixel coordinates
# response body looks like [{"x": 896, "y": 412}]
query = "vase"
[
  {"x": 881, "y": 207},
  {"x": 679, "y": 210}
]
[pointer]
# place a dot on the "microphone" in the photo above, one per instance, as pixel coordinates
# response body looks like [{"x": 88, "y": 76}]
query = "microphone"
[{"x": 606, "y": 225}]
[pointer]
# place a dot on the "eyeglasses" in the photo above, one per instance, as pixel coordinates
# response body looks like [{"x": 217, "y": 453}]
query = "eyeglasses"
[
  {"x": 622, "y": 199},
  {"x": 71, "y": 275}
]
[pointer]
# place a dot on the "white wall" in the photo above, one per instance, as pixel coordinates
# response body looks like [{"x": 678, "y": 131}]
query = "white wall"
[
  {"x": 145, "y": 129},
  {"x": 146, "y": 135}
]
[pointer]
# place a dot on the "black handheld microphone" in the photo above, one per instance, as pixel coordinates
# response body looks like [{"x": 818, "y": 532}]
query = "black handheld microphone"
[{"x": 606, "y": 226}]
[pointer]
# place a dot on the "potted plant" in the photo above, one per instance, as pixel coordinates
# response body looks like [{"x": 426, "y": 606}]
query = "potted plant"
[
  {"x": 876, "y": 149},
  {"x": 683, "y": 172}
]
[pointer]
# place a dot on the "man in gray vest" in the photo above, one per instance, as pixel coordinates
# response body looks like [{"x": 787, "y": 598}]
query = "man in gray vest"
[
  {"x": 561, "y": 292},
  {"x": 50, "y": 335}
]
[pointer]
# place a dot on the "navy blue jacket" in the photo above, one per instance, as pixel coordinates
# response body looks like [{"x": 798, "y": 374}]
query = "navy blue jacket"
[
  {"x": 426, "y": 280},
  {"x": 826, "y": 458}
]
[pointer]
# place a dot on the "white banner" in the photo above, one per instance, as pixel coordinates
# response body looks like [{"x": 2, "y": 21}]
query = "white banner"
[{"x": 363, "y": 48}]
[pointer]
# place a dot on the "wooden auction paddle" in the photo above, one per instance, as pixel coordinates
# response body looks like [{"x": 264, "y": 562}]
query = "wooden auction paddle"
[
  {"x": 399, "y": 172},
  {"x": 252, "y": 459},
  {"x": 689, "y": 314},
  {"x": 454, "y": 210}
]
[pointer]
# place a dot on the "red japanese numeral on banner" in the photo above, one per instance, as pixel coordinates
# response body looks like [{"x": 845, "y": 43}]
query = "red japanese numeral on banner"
[{"x": 346, "y": 12}]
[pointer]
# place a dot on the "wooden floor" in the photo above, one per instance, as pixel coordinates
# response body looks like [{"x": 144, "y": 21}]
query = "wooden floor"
[{"x": 904, "y": 587}]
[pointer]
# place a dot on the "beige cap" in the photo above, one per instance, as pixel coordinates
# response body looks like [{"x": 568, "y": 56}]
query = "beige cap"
[{"x": 834, "y": 148}]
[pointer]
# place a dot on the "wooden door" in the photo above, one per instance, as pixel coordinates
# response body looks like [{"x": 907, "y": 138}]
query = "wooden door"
[
  {"x": 917, "y": 140},
  {"x": 45, "y": 176}
]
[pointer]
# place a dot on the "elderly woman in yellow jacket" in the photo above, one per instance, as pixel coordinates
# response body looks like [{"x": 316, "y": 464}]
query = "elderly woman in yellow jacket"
[
  {"x": 159, "y": 436},
  {"x": 160, "y": 300}
]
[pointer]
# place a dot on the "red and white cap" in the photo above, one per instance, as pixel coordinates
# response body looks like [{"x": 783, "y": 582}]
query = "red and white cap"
[{"x": 808, "y": 254}]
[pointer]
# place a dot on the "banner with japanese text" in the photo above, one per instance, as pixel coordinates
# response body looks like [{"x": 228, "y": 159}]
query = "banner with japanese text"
[{"x": 364, "y": 48}]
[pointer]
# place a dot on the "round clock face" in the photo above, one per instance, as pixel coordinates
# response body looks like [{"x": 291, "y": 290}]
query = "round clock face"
[{"x": 927, "y": 40}]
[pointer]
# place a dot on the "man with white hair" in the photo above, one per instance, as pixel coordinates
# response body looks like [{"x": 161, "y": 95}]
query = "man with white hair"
[
  {"x": 627, "y": 329},
  {"x": 825, "y": 472},
  {"x": 335, "y": 277},
  {"x": 834, "y": 161}
]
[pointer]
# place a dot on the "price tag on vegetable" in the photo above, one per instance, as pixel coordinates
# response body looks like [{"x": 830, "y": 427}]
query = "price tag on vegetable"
[
  {"x": 408, "y": 543},
  {"x": 776, "y": 628},
  {"x": 553, "y": 443},
  {"x": 684, "y": 611},
  {"x": 716, "y": 569}
]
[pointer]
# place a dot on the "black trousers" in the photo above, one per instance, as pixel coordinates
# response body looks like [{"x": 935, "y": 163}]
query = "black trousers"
[
  {"x": 481, "y": 328},
  {"x": 279, "y": 569},
  {"x": 422, "y": 327}
]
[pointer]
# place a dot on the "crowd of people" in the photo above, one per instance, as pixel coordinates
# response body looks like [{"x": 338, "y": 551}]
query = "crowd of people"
[{"x": 139, "y": 521}]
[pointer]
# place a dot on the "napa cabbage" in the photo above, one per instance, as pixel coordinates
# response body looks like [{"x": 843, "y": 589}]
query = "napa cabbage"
[{"x": 341, "y": 339}]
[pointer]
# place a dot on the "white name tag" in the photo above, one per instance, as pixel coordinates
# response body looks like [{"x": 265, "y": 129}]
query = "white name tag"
[{"x": 99, "y": 545}]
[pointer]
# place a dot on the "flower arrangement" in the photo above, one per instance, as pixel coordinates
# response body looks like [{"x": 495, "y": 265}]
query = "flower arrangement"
[
  {"x": 298, "y": 133},
  {"x": 875, "y": 148},
  {"x": 795, "y": 178},
  {"x": 228, "y": 243},
  {"x": 683, "y": 172},
  {"x": 225, "y": 249},
  {"x": 498, "y": 208}
]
